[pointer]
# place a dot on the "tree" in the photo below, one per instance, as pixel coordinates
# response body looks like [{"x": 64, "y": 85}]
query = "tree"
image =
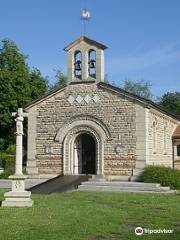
[
  {"x": 140, "y": 88},
  {"x": 38, "y": 83},
  {"x": 18, "y": 85},
  {"x": 171, "y": 101}
]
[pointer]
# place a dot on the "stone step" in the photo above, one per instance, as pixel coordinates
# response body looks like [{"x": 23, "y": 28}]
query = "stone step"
[
  {"x": 128, "y": 190},
  {"x": 118, "y": 178},
  {"x": 123, "y": 188},
  {"x": 119, "y": 183}
]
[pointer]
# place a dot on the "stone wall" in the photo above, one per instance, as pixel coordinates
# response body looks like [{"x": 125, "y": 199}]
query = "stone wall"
[
  {"x": 160, "y": 131},
  {"x": 49, "y": 164},
  {"x": 117, "y": 113}
]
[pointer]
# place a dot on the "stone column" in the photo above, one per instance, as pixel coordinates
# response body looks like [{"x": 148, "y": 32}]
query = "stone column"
[
  {"x": 18, "y": 197},
  {"x": 19, "y": 134}
]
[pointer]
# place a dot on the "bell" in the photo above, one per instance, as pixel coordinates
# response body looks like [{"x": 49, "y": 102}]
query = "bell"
[
  {"x": 92, "y": 63},
  {"x": 77, "y": 65}
]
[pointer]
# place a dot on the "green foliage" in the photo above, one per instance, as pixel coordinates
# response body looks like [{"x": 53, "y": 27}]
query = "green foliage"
[
  {"x": 140, "y": 88},
  {"x": 14, "y": 85},
  {"x": 61, "y": 79},
  {"x": 8, "y": 163},
  {"x": 171, "y": 101},
  {"x": 166, "y": 176},
  {"x": 18, "y": 86},
  {"x": 11, "y": 149},
  {"x": 39, "y": 84},
  {"x": 2, "y": 144}
]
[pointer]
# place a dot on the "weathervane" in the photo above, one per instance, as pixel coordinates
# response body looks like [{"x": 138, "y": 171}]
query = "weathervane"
[{"x": 85, "y": 16}]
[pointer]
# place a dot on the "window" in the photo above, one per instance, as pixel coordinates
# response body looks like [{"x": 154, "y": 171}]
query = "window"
[
  {"x": 154, "y": 137},
  {"x": 178, "y": 150},
  {"x": 165, "y": 138}
]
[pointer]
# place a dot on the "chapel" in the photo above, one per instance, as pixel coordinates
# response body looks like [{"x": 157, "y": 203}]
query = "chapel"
[{"x": 89, "y": 127}]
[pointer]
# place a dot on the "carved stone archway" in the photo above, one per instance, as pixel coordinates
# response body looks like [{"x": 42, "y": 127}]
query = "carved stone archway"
[{"x": 67, "y": 135}]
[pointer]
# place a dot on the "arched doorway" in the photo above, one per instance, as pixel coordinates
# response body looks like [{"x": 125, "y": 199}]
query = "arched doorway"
[
  {"x": 67, "y": 135},
  {"x": 84, "y": 154}
]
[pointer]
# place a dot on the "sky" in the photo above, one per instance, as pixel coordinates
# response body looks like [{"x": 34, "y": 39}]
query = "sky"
[{"x": 143, "y": 36}]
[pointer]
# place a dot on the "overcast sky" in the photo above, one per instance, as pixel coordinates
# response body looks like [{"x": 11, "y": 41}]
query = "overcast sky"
[{"x": 143, "y": 36}]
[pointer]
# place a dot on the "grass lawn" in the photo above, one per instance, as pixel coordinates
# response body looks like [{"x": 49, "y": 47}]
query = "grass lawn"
[{"x": 91, "y": 216}]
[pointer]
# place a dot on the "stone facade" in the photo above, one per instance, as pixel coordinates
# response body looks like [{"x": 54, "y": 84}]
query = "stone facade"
[
  {"x": 116, "y": 115},
  {"x": 128, "y": 131},
  {"x": 127, "y": 125}
]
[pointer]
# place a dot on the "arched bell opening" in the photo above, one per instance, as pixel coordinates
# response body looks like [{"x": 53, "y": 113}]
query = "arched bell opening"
[
  {"x": 92, "y": 63},
  {"x": 78, "y": 64}
]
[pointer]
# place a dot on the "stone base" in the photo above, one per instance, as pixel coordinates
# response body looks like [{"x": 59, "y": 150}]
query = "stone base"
[{"x": 17, "y": 199}]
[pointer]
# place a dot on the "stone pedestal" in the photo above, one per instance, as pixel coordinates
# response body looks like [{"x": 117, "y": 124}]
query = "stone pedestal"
[{"x": 18, "y": 197}]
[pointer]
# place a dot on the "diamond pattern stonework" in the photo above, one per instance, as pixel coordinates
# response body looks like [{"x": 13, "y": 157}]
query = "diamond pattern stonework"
[
  {"x": 87, "y": 98},
  {"x": 71, "y": 99},
  {"x": 96, "y": 98},
  {"x": 79, "y": 99}
]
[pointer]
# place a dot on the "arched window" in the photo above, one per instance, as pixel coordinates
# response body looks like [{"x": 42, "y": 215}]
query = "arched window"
[
  {"x": 165, "y": 138},
  {"x": 78, "y": 64},
  {"x": 92, "y": 63},
  {"x": 154, "y": 137}
]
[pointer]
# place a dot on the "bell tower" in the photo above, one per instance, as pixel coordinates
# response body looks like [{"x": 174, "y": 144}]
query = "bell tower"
[{"x": 85, "y": 60}]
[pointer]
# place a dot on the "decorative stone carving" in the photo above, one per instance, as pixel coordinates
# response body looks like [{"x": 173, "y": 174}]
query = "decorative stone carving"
[
  {"x": 71, "y": 99},
  {"x": 90, "y": 121},
  {"x": 87, "y": 99},
  {"x": 96, "y": 98},
  {"x": 119, "y": 148},
  {"x": 79, "y": 99}
]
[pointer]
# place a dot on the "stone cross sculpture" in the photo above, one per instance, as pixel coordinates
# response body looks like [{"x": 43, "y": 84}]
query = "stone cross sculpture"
[{"x": 18, "y": 197}]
